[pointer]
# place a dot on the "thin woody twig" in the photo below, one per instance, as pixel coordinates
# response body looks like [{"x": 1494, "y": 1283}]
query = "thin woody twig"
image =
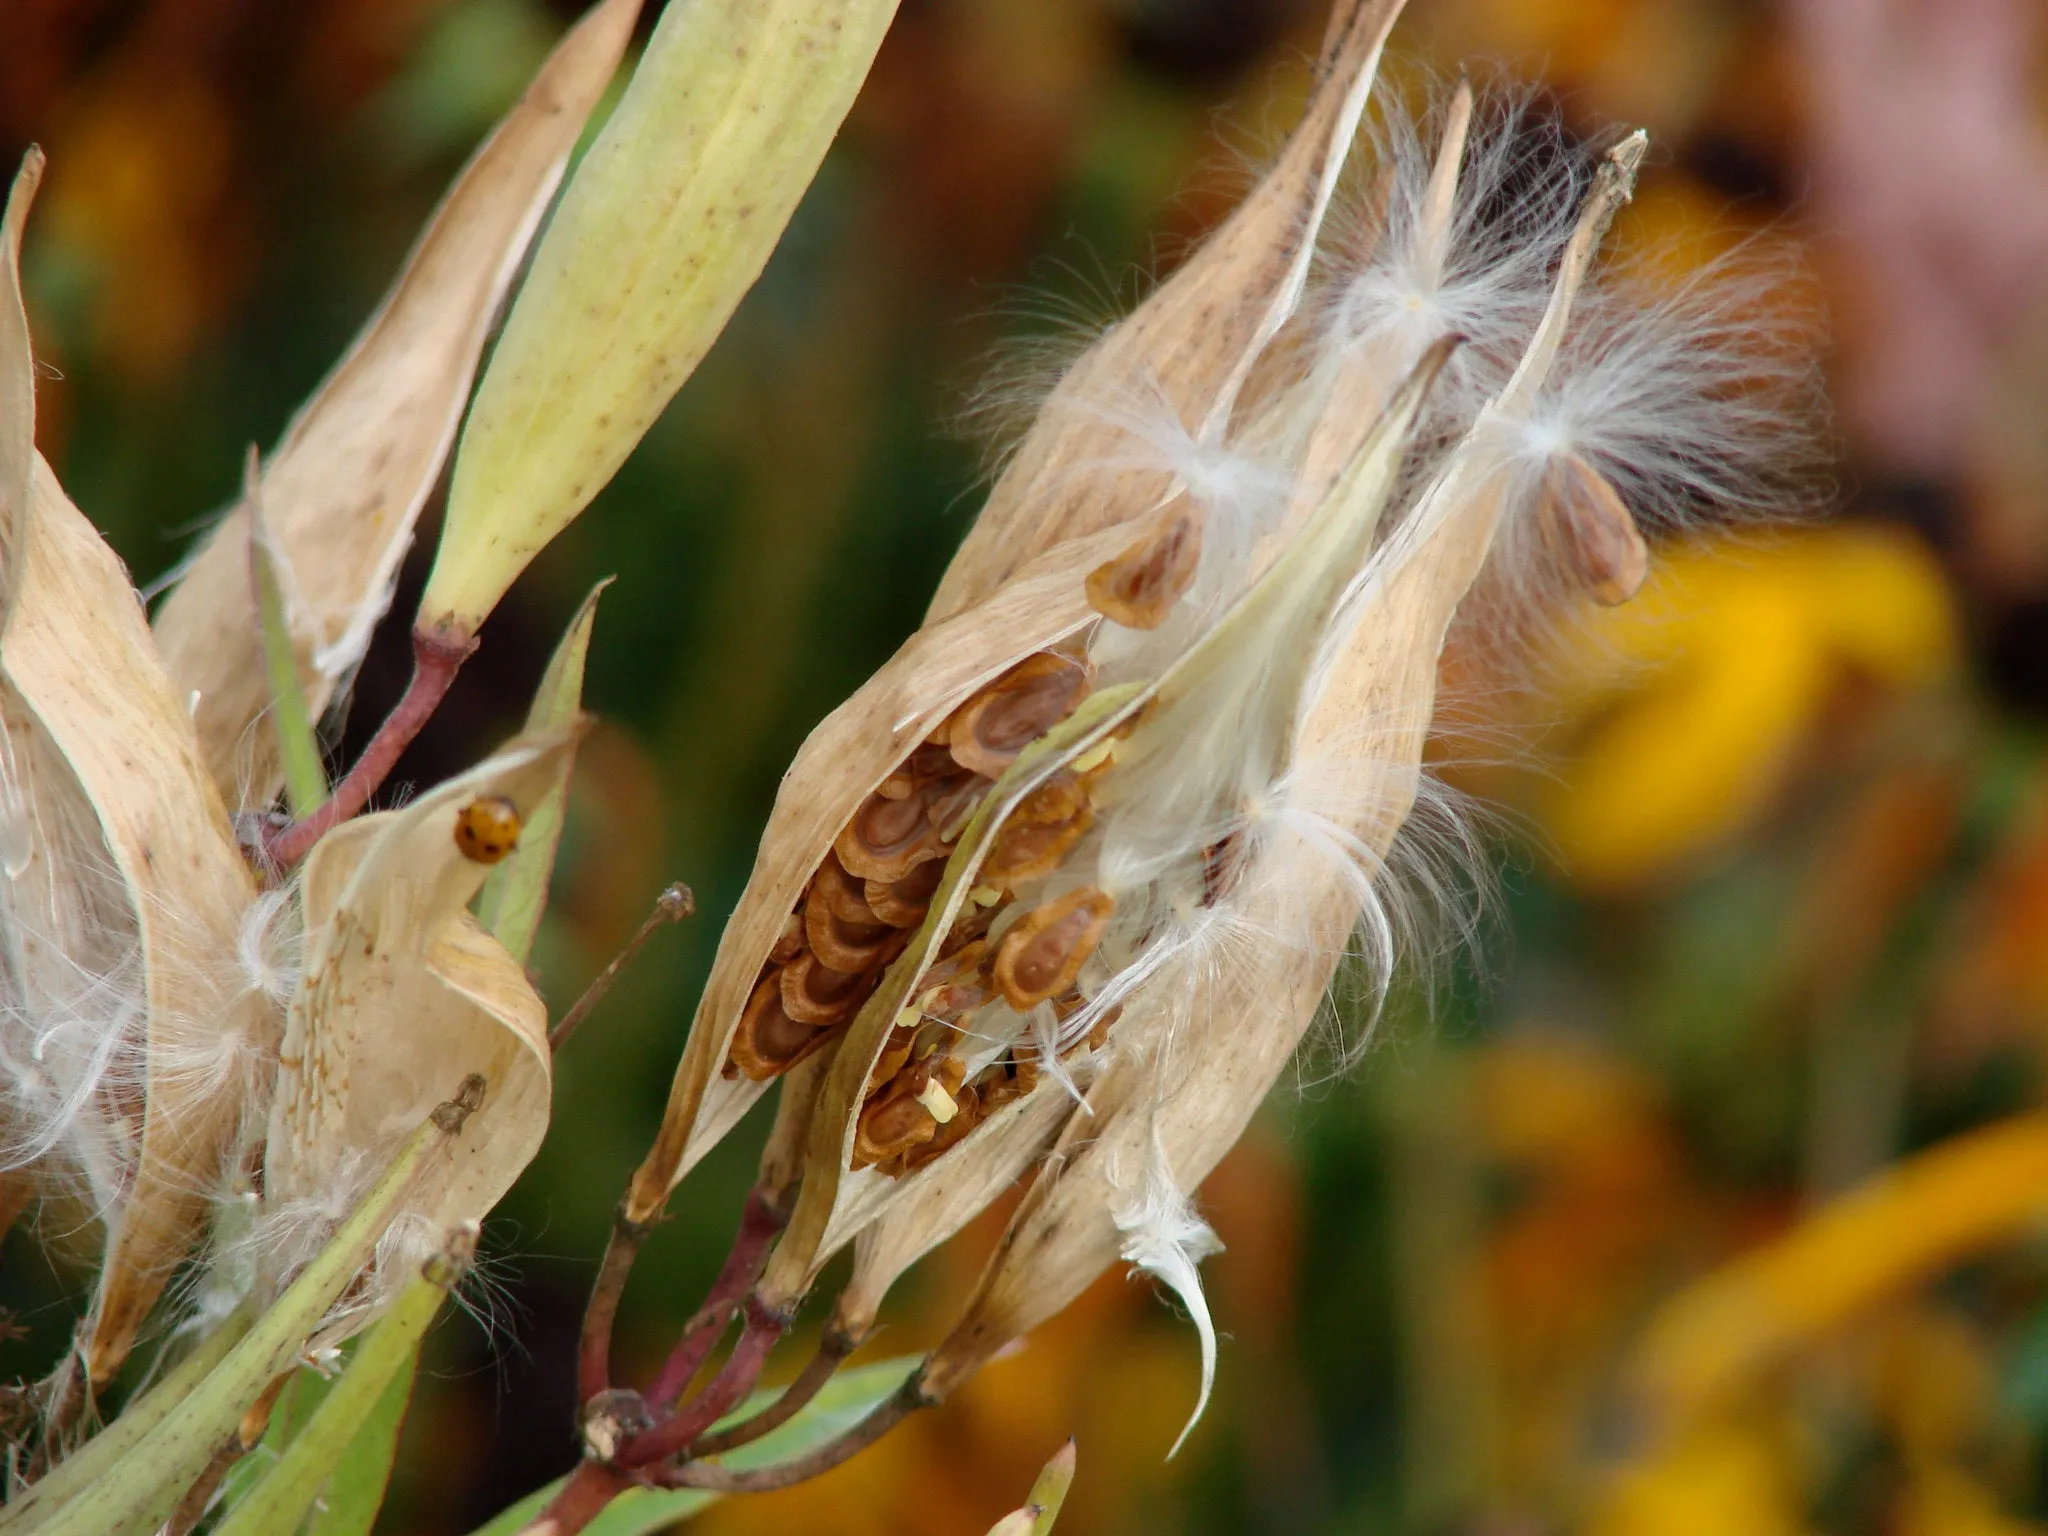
[
  {"x": 885, "y": 1416},
  {"x": 735, "y": 1379},
  {"x": 832, "y": 1352},
  {"x": 673, "y": 905}
]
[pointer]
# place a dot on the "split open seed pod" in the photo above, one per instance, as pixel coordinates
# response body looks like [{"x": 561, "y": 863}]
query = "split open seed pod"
[
  {"x": 1218, "y": 1036},
  {"x": 344, "y": 488},
  {"x": 873, "y": 809},
  {"x": 403, "y": 989},
  {"x": 129, "y": 1034}
]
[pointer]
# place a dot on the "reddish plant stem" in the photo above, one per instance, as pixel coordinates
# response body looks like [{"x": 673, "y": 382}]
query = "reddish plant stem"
[
  {"x": 885, "y": 1416},
  {"x": 760, "y": 1223},
  {"x": 594, "y": 1351},
  {"x": 735, "y": 1379},
  {"x": 435, "y": 661},
  {"x": 583, "y": 1498},
  {"x": 832, "y": 1351}
]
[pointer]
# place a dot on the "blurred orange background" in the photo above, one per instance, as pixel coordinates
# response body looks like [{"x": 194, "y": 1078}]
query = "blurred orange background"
[{"x": 1705, "y": 1195}]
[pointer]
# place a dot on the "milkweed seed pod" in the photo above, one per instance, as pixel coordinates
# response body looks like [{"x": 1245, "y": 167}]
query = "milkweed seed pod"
[
  {"x": 891, "y": 779},
  {"x": 1208, "y": 1034},
  {"x": 402, "y": 989},
  {"x": 343, "y": 490},
  {"x": 131, "y": 1036}
]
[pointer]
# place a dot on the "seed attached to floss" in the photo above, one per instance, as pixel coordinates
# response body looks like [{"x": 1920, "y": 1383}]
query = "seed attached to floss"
[
  {"x": 1586, "y": 525},
  {"x": 487, "y": 829},
  {"x": 1039, "y": 958},
  {"x": 1140, "y": 586}
]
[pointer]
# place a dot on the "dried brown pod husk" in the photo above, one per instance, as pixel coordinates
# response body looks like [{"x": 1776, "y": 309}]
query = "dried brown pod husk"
[
  {"x": 1140, "y": 586},
  {"x": 403, "y": 986},
  {"x": 343, "y": 490},
  {"x": 1587, "y": 528},
  {"x": 1195, "y": 340},
  {"x": 118, "y": 839}
]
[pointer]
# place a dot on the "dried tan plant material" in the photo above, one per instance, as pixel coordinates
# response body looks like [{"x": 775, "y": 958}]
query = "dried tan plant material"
[
  {"x": 1194, "y": 340},
  {"x": 1042, "y": 954},
  {"x": 404, "y": 989},
  {"x": 344, "y": 488},
  {"x": 1140, "y": 586},
  {"x": 17, "y": 369},
  {"x": 89, "y": 701},
  {"x": 1588, "y": 529}
]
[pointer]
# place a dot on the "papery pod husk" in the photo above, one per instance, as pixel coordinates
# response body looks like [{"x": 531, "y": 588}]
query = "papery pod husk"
[
  {"x": 404, "y": 991},
  {"x": 76, "y": 654},
  {"x": 839, "y": 765},
  {"x": 667, "y": 223},
  {"x": 1192, "y": 344},
  {"x": 17, "y": 366},
  {"x": 1236, "y": 1027},
  {"x": 344, "y": 488},
  {"x": 900, "y": 1219},
  {"x": 128, "y": 837}
]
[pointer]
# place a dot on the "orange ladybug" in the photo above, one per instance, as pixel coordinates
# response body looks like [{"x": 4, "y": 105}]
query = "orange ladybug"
[{"x": 487, "y": 829}]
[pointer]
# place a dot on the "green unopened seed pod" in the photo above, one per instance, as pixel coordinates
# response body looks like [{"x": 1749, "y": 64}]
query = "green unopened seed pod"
[{"x": 666, "y": 224}]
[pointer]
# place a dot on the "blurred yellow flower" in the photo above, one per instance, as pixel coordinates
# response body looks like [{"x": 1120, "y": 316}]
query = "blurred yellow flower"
[{"x": 1684, "y": 713}]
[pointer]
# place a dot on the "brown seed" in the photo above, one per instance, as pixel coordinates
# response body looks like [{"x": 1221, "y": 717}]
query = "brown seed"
[
  {"x": 815, "y": 993},
  {"x": 887, "y": 838},
  {"x": 1060, "y": 798},
  {"x": 769, "y": 1041},
  {"x": 838, "y": 924},
  {"x": 1585, "y": 525},
  {"x": 1039, "y": 958},
  {"x": 894, "y": 1121},
  {"x": 1026, "y": 852},
  {"x": 903, "y": 903},
  {"x": 1140, "y": 586},
  {"x": 990, "y": 729},
  {"x": 966, "y": 1117},
  {"x": 1005, "y": 1083},
  {"x": 951, "y": 800}
]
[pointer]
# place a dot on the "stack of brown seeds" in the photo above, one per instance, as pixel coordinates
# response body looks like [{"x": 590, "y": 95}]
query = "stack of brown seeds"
[{"x": 871, "y": 893}]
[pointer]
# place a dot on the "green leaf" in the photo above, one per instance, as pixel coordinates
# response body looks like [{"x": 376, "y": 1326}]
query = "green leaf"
[
  {"x": 305, "y": 774},
  {"x": 303, "y": 1392},
  {"x": 281, "y": 1500},
  {"x": 844, "y": 1402},
  {"x": 514, "y": 896},
  {"x": 666, "y": 224},
  {"x": 144, "y": 1489},
  {"x": 355, "y": 1493}
]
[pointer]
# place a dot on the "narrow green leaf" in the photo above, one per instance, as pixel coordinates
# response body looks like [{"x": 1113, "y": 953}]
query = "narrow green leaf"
[
  {"x": 516, "y": 893},
  {"x": 305, "y": 774},
  {"x": 1050, "y": 1491},
  {"x": 147, "y": 1485},
  {"x": 356, "y": 1491},
  {"x": 290, "y": 1488},
  {"x": 843, "y": 1403},
  {"x": 99, "y": 1455}
]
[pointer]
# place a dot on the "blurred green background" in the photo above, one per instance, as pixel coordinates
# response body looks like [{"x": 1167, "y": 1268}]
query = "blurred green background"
[{"x": 1774, "y": 915}]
